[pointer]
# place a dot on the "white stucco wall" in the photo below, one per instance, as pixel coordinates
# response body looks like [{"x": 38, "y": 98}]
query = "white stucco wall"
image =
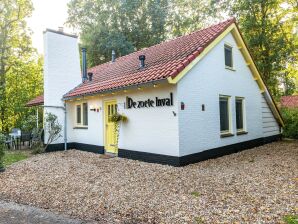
[
  {"x": 153, "y": 130},
  {"x": 61, "y": 71},
  {"x": 200, "y": 130}
]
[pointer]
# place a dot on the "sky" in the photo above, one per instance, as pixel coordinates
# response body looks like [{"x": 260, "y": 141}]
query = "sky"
[{"x": 47, "y": 14}]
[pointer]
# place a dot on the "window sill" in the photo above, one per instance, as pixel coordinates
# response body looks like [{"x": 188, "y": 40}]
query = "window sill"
[
  {"x": 242, "y": 132},
  {"x": 224, "y": 135},
  {"x": 230, "y": 68},
  {"x": 78, "y": 127}
]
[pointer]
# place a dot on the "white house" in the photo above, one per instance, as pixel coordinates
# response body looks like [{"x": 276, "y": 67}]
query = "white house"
[{"x": 189, "y": 99}]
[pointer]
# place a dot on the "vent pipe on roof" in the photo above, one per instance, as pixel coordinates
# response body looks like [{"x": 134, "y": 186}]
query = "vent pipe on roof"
[
  {"x": 113, "y": 56},
  {"x": 84, "y": 65},
  {"x": 142, "y": 60},
  {"x": 90, "y": 75}
]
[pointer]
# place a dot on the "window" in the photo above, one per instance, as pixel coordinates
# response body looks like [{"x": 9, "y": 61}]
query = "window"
[
  {"x": 224, "y": 108},
  {"x": 85, "y": 114},
  {"x": 240, "y": 114},
  {"x": 82, "y": 114},
  {"x": 79, "y": 114},
  {"x": 228, "y": 56}
]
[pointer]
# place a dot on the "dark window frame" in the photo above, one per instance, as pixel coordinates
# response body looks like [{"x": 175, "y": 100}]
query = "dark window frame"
[
  {"x": 240, "y": 118},
  {"x": 229, "y": 64},
  {"x": 225, "y": 125}
]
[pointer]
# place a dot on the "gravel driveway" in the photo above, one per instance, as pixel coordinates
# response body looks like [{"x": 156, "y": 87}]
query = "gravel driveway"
[{"x": 253, "y": 186}]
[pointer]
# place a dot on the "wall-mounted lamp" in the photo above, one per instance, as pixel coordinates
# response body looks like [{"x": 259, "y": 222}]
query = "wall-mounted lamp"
[
  {"x": 139, "y": 88},
  {"x": 182, "y": 106},
  {"x": 174, "y": 113},
  {"x": 92, "y": 108},
  {"x": 154, "y": 85},
  {"x": 203, "y": 107}
]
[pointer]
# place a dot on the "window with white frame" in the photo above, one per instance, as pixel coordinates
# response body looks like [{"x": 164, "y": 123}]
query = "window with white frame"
[
  {"x": 225, "y": 114},
  {"x": 82, "y": 114},
  {"x": 240, "y": 114},
  {"x": 228, "y": 56}
]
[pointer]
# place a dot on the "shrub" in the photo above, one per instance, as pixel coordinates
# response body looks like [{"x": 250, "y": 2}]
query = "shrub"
[
  {"x": 290, "y": 117},
  {"x": 38, "y": 148},
  {"x": 53, "y": 128},
  {"x": 2, "y": 148}
]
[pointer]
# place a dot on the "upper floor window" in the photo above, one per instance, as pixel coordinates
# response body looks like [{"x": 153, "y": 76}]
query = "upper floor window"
[
  {"x": 228, "y": 56},
  {"x": 82, "y": 114}
]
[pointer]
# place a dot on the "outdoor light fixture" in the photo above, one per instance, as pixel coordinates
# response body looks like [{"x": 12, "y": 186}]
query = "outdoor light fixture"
[
  {"x": 92, "y": 108},
  {"x": 182, "y": 106},
  {"x": 154, "y": 85},
  {"x": 139, "y": 88}
]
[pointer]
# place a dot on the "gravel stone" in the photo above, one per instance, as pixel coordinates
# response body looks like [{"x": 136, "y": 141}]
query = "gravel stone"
[{"x": 254, "y": 186}]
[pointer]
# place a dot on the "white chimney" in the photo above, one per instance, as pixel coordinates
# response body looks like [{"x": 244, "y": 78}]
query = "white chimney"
[{"x": 61, "y": 70}]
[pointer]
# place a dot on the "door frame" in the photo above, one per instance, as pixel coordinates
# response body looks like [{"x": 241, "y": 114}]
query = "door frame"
[{"x": 105, "y": 102}]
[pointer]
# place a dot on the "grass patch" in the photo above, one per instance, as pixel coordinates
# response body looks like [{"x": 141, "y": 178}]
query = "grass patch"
[
  {"x": 13, "y": 156},
  {"x": 195, "y": 194},
  {"x": 291, "y": 219}
]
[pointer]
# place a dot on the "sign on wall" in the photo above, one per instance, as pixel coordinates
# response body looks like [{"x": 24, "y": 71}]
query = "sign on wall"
[{"x": 157, "y": 102}]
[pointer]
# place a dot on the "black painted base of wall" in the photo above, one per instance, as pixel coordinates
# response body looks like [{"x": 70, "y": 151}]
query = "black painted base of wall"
[
  {"x": 75, "y": 145},
  {"x": 196, "y": 157},
  {"x": 170, "y": 160}
]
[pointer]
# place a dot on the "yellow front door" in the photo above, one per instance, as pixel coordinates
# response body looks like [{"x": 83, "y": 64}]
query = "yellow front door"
[{"x": 110, "y": 137}]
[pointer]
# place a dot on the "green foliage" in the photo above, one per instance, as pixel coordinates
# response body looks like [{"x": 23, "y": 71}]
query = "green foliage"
[
  {"x": 195, "y": 194},
  {"x": 290, "y": 117},
  {"x": 2, "y": 150},
  {"x": 291, "y": 219},
  {"x": 52, "y": 128},
  {"x": 29, "y": 123},
  {"x": 117, "y": 118},
  {"x": 126, "y": 26},
  {"x": 14, "y": 156},
  {"x": 38, "y": 148},
  {"x": 20, "y": 66}
]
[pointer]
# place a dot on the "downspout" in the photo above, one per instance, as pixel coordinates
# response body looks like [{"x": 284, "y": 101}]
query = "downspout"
[{"x": 65, "y": 122}]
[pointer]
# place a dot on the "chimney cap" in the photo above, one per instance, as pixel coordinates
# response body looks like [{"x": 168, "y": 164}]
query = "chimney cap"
[
  {"x": 142, "y": 57},
  {"x": 90, "y": 75}
]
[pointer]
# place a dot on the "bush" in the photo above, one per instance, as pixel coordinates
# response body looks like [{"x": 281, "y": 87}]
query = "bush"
[
  {"x": 2, "y": 149},
  {"x": 38, "y": 148},
  {"x": 290, "y": 117}
]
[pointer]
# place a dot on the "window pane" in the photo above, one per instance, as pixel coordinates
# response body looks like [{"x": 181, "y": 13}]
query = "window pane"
[
  {"x": 85, "y": 114},
  {"x": 239, "y": 114},
  {"x": 228, "y": 56},
  {"x": 79, "y": 114},
  {"x": 224, "y": 114}
]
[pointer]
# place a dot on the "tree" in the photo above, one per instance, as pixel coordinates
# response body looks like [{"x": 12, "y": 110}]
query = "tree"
[
  {"x": 126, "y": 26},
  {"x": 20, "y": 66},
  {"x": 268, "y": 26}
]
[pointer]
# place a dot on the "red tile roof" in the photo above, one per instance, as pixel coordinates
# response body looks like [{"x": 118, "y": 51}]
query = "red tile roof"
[
  {"x": 39, "y": 100},
  {"x": 163, "y": 60},
  {"x": 289, "y": 101}
]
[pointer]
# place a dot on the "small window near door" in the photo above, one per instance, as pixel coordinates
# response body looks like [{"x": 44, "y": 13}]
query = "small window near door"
[
  {"x": 82, "y": 115},
  {"x": 240, "y": 114},
  {"x": 224, "y": 108},
  {"x": 228, "y": 56}
]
